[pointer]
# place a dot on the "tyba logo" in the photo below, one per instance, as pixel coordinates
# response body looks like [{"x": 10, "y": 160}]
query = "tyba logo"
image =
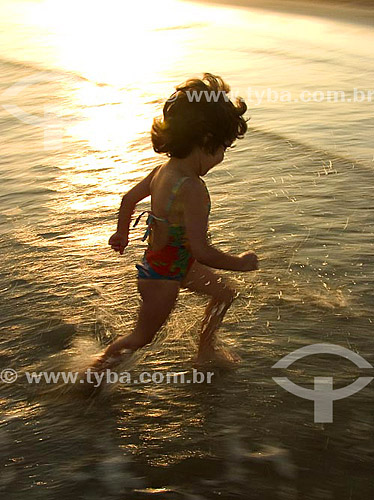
[
  {"x": 50, "y": 121},
  {"x": 323, "y": 393}
]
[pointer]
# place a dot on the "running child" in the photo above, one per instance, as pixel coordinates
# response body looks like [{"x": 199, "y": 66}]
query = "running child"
[{"x": 199, "y": 123}]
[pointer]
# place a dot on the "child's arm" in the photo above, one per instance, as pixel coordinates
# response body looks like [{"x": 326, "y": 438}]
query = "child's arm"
[
  {"x": 119, "y": 240},
  {"x": 196, "y": 219},
  {"x": 131, "y": 199}
]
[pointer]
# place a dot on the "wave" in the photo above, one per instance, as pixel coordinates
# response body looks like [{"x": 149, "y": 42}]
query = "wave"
[
  {"x": 306, "y": 57},
  {"x": 309, "y": 148},
  {"x": 349, "y": 12},
  {"x": 23, "y": 65}
]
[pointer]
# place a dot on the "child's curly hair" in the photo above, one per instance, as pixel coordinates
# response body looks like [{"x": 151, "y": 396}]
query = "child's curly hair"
[{"x": 200, "y": 114}]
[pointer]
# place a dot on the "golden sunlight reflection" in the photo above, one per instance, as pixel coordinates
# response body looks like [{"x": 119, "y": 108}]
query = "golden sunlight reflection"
[
  {"x": 115, "y": 42},
  {"x": 129, "y": 55},
  {"x": 97, "y": 235},
  {"x": 93, "y": 203},
  {"x": 124, "y": 50},
  {"x": 110, "y": 118},
  {"x": 90, "y": 237}
]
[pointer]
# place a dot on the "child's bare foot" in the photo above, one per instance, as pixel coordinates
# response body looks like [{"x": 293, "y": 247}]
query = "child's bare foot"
[
  {"x": 218, "y": 357},
  {"x": 105, "y": 362}
]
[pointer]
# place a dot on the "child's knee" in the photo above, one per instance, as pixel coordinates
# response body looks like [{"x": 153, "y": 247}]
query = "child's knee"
[{"x": 226, "y": 296}]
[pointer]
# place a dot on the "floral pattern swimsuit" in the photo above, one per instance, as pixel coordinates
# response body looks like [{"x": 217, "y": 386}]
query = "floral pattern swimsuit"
[{"x": 174, "y": 260}]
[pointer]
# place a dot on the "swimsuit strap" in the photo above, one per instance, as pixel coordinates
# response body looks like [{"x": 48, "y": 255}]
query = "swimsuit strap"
[
  {"x": 174, "y": 192},
  {"x": 149, "y": 220},
  {"x": 138, "y": 218},
  {"x": 152, "y": 216}
]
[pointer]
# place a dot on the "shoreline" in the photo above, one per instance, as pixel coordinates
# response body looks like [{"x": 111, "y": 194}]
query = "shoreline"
[{"x": 346, "y": 11}]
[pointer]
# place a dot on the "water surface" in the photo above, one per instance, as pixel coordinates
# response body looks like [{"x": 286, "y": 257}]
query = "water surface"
[{"x": 297, "y": 188}]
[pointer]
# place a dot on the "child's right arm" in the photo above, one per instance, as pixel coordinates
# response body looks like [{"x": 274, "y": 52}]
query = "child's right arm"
[
  {"x": 196, "y": 220},
  {"x": 119, "y": 240}
]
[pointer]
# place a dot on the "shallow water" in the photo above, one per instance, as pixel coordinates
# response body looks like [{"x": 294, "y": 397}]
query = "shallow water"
[{"x": 297, "y": 188}]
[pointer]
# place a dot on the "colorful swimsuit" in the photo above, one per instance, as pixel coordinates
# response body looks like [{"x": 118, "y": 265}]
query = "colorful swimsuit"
[{"x": 174, "y": 260}]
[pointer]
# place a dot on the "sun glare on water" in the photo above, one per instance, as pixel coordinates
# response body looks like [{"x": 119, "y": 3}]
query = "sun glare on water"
[
  {"x": 117, "y": 42},
  {"x": 128, "y": 53},
  {"x": 111, "y": 64}
]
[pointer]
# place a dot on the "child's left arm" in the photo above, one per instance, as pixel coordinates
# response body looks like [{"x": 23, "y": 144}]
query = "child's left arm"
[{"x": 119, "y": 240}]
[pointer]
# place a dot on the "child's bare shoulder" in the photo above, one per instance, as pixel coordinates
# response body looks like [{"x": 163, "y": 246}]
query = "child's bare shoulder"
[
  {"x": 194, "y": 189},
  {"x": 193, "y": 184}
]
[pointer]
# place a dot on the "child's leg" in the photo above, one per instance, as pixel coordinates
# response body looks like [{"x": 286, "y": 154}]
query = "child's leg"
[
  {"x": 158, "y": 300},
  {"x": 202, "y": 279}
]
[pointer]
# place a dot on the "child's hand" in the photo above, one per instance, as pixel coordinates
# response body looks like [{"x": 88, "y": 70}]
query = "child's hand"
[
  {"x": 249, "y": 260},
  {"x": 118, "y": 242}
]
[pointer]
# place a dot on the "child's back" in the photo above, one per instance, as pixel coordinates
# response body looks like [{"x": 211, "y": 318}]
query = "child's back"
[
  {"x": 169, "y": 254},
  {"x": 167, "y": 200}
]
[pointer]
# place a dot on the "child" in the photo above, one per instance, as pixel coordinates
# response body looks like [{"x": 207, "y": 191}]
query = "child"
[{"x": 194, "y": 133}]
